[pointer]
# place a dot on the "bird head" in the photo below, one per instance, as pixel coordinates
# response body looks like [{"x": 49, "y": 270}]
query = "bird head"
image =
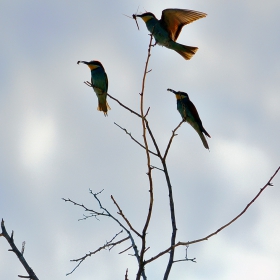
[
  {"x": 92, "y": 64},
  {"x": 146, "y": 16},
  {"x": 181, "y": 95}
]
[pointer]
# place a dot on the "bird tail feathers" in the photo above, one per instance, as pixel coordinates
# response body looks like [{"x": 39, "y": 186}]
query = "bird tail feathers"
[
  {"x": 186, "y": 52},
  {"x": 205, "y": 132},
  {"x": 104, "y": 107},
  {"x": 203, "y": 139}
]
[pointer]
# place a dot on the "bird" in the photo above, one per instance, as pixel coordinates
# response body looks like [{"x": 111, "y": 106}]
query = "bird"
[
  {"x": 167, "y": 29},
  {"x": 189, "y": 113},
  {"x": 99, "y": 82}
]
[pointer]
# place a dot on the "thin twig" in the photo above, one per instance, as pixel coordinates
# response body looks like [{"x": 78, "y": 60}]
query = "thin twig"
[
  {"x": 127, "y": 108},
  {"x": 171, "y": 138},
  {"x": 186, "y": 257},
  {"x": 125, "y": 250},
  {"x": 89, "y": 84},
  {"x": 141, "y": 145},
  {"x": 93, "y": 212},
  {"x": 108, "y": 214},
  {"x": 154, "y": 167},
  {"x": 126, "y": 220},
  {"x": 185, "y": 260},
  {"x": 110, "y": 244},
  {"x": 218, "y": 230},
  {"x": 147, "y": 113}
]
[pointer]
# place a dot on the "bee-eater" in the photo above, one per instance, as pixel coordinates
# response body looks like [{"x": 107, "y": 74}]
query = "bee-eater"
[
  {"x": 167, "y": 29},
  {"x": 99, "y": 81},
  {"x": 190, "y": 114}
]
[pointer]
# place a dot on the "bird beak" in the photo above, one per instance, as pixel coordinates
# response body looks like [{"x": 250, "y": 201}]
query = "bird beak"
[
  {"x": 82, "y": 62},
  {"x": 175, "y": 92}
]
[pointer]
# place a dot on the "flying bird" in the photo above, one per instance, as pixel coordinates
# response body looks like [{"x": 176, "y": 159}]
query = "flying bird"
[
  {"x": 99, "y": 81},
  {"x": 167, "y": 29},
  {"x": 189, "y": 113}
]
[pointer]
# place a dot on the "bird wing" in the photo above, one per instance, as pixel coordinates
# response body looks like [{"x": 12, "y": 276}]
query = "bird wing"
[
  {"x": 194, "y": 112},
  {"x": 106, "y": 78},
  {"x": 197, "y": 118},
  {"x": 173, "y": 20}
]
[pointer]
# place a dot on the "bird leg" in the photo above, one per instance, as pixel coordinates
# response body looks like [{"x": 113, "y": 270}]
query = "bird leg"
[{"x": 154, "y": 43}]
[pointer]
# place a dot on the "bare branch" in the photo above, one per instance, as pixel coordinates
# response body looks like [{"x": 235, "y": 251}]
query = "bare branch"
[
  {"x": 147, "y": 113},
  {"x": 122, "y": 226},
  {"x": 171, "y": 138},
  {"x": 141, "y": 145},
  {"x": 186, "y": 257},
  {"x": 149, "y": 214},
  {"x": 94, "y": 213},
  {"x": 14, "y": 249},
  {"x": 89, "y": 84},
  {"x": 126, "y": 274},
  {"x": 121, "y": 104},
  {"x": 173, "y": 220},
  {"x": 127, "y": 221},
  {"x": 109, "y": 215},
  {"x": 218, "y": 230},
  {"x": 154, "y": 167},
  {"x": 109, "y": 244},
  {"x": 125, "y": 250},
  {"x": 185, "y": 260},
  {"x": 138, "y": 115}
]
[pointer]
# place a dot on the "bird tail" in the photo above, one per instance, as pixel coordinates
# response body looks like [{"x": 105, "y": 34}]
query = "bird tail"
[
  {"x": 104, "y": 107},
  {"x": 186, "y": 52},
  {"x": 203, "y": 139},
  {"x": 205, "y": 132}
]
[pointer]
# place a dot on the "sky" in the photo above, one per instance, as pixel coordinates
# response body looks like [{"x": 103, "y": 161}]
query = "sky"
[{"x": 54, "y": 144}]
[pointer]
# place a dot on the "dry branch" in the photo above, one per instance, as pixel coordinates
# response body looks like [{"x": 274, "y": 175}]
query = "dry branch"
[
  {"x": 151, "y": 191},
  {"x": 109, "y": 244},
  {"x": 109, "y": 215},
  {"x": 218, "y": 230},
  {"x": 14, "y": 249},
  {"x": 126, "y": 220}
]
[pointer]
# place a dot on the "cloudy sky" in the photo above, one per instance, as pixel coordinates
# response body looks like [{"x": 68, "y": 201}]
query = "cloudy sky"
[{"x": 55, "y": 144}]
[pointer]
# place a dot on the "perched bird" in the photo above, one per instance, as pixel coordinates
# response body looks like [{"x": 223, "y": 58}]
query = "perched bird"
[
  {"x": 167, "y": 29},
  {"x": 190, "y": 114},
  {"x": 99, "y": 83}
]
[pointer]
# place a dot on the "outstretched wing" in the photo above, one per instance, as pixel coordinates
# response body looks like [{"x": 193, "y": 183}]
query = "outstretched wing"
[{"x": 173, "y": 20}]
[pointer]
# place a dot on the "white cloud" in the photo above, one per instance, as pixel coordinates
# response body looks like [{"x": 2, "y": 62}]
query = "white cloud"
[{"x": 38, "y": 141}]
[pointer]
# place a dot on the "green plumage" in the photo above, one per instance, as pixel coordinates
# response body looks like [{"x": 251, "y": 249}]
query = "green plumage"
[
  {"x": 99, "y": 81},
  {"x": 189, "y": 113},
  {"x": 167, "y": 29}
]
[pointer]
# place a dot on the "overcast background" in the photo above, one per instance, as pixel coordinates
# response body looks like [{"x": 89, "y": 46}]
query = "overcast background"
[{"x": 54, "y": 143}]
